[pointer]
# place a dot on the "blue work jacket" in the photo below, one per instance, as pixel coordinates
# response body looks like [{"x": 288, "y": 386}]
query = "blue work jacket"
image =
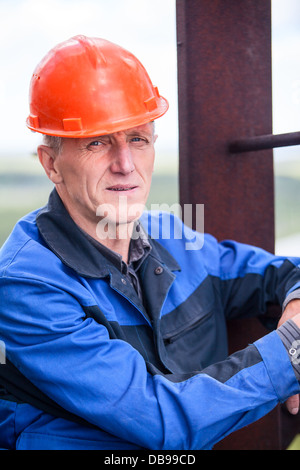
[{"x": 88, "y": 365}]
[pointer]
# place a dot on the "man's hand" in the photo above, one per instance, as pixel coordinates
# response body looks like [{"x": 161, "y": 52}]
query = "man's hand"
[{"x": 292, "y": 310}]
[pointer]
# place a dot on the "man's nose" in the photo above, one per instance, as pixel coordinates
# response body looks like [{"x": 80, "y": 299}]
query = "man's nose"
[{"x": 122, "y": 160}]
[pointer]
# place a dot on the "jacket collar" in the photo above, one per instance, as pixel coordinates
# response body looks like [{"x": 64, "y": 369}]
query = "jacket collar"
[{"x": 74, "y": 249}]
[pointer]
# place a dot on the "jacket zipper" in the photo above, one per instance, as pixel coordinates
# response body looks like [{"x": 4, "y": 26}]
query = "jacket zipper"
[{"x": 170, "y": 338}]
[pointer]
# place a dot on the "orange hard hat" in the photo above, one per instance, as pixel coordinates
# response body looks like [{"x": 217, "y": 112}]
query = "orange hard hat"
[{"x": 86, "y": 87}]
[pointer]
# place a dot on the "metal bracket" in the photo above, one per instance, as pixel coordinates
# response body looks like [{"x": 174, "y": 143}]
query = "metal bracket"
[{"x": 263, "y": 142}]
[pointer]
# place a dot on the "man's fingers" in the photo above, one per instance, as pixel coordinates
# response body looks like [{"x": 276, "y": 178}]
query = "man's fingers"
[{"x": 292, "y": 404}]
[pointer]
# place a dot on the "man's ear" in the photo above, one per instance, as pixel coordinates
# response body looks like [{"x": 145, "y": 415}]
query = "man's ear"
[{"x": 47, "y": 158}]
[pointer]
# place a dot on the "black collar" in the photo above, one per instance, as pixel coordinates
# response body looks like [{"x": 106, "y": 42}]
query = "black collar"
[{"x": 74, "y": 249}]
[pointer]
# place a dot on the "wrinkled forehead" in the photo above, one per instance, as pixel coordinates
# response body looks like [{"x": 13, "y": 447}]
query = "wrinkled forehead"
[
  {"x": 147, "y": 128},
  {"x": 59, "y": 143}
]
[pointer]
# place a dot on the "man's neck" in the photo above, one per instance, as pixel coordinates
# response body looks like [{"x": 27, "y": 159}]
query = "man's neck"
[
  {"x": 120, "y": 246},
  {"x": 117, "y": 239}
]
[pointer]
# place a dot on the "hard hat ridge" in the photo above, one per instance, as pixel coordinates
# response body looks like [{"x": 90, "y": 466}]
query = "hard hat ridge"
[
  {"x": 89, "y": 86},
  {"x": 93, "y": 52}
]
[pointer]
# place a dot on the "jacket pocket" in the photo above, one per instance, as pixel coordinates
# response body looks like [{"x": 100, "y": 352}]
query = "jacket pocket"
[
  {"x": 189, "y": 344},
  {"x": 183, "y": 330}
]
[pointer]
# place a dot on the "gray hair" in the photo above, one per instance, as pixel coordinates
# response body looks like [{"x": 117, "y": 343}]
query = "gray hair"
[{"x": 54, "y": 142}]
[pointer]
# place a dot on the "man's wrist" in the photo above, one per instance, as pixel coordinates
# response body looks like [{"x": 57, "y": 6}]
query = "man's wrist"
[
  {"x": 295, "y": 295},
  {"x": 289, "y": 334}
]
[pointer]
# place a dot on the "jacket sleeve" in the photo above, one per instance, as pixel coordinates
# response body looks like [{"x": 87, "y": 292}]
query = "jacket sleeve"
[
  {"x": 251, "y": 278},
  {"x": 73, "y": 361}
]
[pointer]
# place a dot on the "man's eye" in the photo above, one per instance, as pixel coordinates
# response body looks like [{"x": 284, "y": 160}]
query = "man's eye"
[
  {"x": 95, "y": 143},
  {"x": 139, "y": 139}
]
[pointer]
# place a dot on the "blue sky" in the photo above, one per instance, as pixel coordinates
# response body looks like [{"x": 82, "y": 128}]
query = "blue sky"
[{"x": 29, "y": 28}]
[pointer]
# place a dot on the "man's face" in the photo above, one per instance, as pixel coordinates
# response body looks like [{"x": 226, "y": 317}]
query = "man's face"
[{"x": 108, "y": 171}]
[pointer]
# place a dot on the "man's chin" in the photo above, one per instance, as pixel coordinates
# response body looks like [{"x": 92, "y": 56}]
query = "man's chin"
[
  {"x": 117, "y": 220},
  {"x": 118, "y": 228}
]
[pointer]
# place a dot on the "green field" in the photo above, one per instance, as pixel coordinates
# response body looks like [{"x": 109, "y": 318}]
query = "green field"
[
  {"x": 24, "y": 187},
  {"x": 287, "y": 198}
]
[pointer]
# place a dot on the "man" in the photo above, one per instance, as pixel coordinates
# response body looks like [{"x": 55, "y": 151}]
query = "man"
[{"x": 114, "y": 339}]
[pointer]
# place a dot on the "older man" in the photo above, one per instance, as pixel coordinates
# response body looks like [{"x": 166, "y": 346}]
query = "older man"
[{"x": 114, "y": 339}]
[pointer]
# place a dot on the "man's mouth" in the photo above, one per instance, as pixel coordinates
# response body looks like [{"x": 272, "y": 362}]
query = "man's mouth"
[{"x": 120, "y": 187}]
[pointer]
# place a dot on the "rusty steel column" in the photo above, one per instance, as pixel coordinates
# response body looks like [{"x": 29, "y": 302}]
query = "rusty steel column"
[
  {"x": 225, "y": 94},
  {"x": 224, "y": 75}
]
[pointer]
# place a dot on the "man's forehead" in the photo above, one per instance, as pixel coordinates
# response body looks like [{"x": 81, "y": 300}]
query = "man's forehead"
[
  {"x": 144, "y": 128},
  {"x": 147, "y": 127}
]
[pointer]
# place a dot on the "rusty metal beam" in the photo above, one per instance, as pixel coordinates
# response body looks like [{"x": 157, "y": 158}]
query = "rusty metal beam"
[{"x": 224, "y": 93}]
